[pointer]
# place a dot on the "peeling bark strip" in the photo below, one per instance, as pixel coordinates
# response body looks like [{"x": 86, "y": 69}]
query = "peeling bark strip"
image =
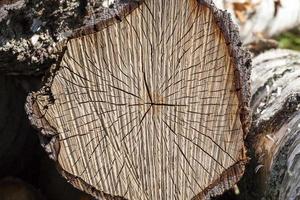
[{"x": 152, "y": 106}]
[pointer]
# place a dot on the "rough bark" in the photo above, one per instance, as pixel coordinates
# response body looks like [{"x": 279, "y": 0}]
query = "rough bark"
[
  {"x": 262, "y": 18},
  {"x": 31, "y": 29},
  {"x": 108, "y": 115},
  {"x": 275, "y": 102}
]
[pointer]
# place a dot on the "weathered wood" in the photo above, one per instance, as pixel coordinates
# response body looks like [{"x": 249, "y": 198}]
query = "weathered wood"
[
  {"x": 262, "y": 18},
  {"x": 151, "y": 105},
  {"x": 275, "y": 102}
]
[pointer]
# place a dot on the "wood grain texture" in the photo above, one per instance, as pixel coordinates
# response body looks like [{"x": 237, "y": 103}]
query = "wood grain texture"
[{"x": 153, "y": 106}]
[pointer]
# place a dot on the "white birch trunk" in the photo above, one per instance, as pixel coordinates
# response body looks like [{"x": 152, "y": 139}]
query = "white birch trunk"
[
  {"x": 276, "y": 118},
  {"x": 266, "y": 18}
]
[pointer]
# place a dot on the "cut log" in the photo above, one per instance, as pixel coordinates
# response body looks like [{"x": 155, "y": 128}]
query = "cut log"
[
  {"x": 150, "y": 102},
  {"x": 275, "y": 102},
  {"x": 262, "y": 18}
]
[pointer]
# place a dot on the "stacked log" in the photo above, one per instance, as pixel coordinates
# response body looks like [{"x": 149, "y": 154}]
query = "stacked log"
[{"x": 275, "y": 103}]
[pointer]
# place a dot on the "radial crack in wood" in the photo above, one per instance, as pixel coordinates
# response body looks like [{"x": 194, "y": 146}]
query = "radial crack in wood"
[{"x": 152, "y": 106}]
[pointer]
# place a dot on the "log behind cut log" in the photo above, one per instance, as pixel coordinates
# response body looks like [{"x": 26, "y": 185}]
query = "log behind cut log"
[{"x": 276, "y": 123}]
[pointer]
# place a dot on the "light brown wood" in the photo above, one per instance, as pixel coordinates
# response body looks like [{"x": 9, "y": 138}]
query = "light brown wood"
[{"x": 151, "y": 107}]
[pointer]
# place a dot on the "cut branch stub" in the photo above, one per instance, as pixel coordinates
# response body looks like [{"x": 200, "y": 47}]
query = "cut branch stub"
[{"x": 153, "y": 106}]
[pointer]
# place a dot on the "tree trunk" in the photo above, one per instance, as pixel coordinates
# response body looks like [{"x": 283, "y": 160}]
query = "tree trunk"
[
  {"x": 262, "y": 18},
  {"x": 276, "y": 118},
  {"x": 150, "y": 102}
]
